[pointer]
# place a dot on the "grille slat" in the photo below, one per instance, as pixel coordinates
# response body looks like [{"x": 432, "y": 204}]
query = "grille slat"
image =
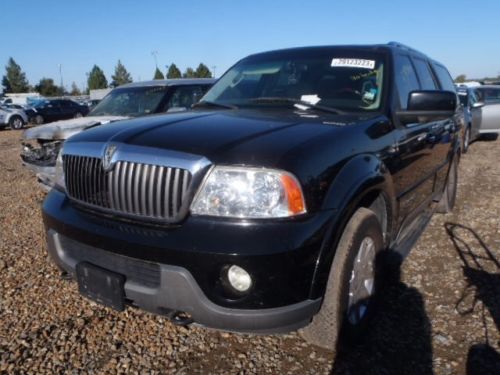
[
  {"x": 159, "y": 185},
  {"x": 167, "y": 192},
  {"x": 138, "y": 189}
]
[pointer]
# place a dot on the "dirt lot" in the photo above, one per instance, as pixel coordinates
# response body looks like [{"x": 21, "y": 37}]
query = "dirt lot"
[{"x": 441, "y": 316}]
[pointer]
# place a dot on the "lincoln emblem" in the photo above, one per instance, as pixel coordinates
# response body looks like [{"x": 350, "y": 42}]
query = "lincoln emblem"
[{"x": 108, "y": 156}]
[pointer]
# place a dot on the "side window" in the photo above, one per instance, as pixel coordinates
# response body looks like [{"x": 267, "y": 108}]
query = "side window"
[
  {"x": 424, "y": 74},
  {"x": 406, "y": 79},
  {"x": 184, "y": 97},
  {"x": 444, "y": 78}
]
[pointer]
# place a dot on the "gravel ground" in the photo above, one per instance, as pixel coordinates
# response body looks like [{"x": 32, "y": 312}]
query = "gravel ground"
[{"x": 441, "y": 315}]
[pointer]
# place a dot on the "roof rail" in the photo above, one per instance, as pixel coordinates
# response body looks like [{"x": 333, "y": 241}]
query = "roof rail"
[{"x": 401, "y": 45}]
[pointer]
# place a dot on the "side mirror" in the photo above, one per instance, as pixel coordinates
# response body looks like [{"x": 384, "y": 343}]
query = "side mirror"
[
  {"x": 428, "y": 105},
  {"x": 478, "y": 105}
]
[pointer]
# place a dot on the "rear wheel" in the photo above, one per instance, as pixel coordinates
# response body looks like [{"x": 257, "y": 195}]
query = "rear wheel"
[
  {"x": 447, "y": 201},
  {"x": 16, "y": 122},
  {"x": 466, "y": 140},
  {"x": 349, "y": 298},
  {"x": 39, "y": 119}
]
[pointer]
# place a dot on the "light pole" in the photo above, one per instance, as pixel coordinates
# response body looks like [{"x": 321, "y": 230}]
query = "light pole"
[
  {"x": 166, "y": 71},
  {"x": 213, "y": 70},
  {"x": 60, "y": 75},
  {"x": 155, "y": 56}
]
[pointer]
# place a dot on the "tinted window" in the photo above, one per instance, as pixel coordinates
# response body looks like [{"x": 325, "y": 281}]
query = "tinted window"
[
  {"x": 444, "y": 78},
  {"x": 406, "y": 79},
  {"x": 184, "y": 97},
  {"x": 130, "y": 101},
  {"x": 424, "y": 74},
  {"x": 489, "y": 94}
]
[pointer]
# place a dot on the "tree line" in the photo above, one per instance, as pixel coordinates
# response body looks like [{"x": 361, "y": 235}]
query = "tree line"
[{"x": 15, "y": 81}]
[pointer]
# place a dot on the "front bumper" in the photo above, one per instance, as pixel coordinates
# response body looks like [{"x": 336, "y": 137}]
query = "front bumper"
[
  {"x": 178, "y": 268},
  {"x": 178, "y": 291}
]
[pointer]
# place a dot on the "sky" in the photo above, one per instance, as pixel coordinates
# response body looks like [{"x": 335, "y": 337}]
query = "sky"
[{"x": 43, "y": 35}]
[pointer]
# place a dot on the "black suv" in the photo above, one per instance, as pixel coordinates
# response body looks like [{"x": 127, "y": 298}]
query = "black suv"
[
  {"x": 265, "y": 208},
  {"x": 58, "y": 109}
]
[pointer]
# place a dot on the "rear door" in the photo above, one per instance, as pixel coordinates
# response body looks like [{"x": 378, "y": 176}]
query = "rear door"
[
  {"x": 52, "y": 111},
  {"x": 67, "y": 109}
]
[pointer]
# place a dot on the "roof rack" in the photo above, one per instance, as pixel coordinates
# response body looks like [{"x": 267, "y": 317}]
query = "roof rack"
[{"x": 401, "y": 45}]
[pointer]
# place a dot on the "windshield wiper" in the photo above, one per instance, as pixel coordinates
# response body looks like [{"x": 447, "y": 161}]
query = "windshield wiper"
[
  {"x": 277, "y": 99},
  {"x": 207, "y": 103}
]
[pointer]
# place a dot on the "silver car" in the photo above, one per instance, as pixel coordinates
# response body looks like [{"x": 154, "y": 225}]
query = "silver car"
[
  {"x": 15, "y": 118},
  {"x": 481, "y": 111}
]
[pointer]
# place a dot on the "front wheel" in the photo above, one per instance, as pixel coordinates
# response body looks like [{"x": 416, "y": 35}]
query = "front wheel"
[
  {"x": 348, "y": 302},
  {"x": 78, "y": 115},
  {"x": 16, "y": 123}
]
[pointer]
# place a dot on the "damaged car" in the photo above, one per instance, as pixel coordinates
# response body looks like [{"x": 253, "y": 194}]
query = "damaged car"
[{"x": 41, "y": 145}]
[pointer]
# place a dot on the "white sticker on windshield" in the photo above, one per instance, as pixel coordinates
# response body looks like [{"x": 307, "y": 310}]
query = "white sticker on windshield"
[
  {"x": 313, "y": 99},
  {"x": 353, "y": 63}
]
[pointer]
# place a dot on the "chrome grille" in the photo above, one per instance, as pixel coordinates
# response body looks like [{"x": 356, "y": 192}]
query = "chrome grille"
[{"x": 144, "y": 190}]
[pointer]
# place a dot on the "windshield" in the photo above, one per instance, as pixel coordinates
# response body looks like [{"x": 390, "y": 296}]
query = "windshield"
[
  {"x": 131, "y": 101},
  {"x": 348, "y": 80}
]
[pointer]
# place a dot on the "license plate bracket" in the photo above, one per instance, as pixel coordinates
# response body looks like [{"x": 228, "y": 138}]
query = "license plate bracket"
[{"x": 101, "y": 285}]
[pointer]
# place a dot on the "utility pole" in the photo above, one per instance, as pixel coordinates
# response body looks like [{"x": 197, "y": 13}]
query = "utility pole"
[
  {"x": 213, "y": 70},
  {"x": 155, "y": 56}
]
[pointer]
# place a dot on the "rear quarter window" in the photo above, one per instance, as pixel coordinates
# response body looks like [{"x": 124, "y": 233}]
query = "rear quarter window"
[
  {"x": 424, "y": 74},
  {"x": 444, "y": 78}
]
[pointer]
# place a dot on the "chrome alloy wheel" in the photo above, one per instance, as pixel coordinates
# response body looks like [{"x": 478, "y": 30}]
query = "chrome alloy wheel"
[
  {"x": 361, "y": 283},
  {"x": 17, "y": 123}
]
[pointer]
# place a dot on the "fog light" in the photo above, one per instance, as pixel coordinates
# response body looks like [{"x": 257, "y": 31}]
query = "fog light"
[{"x": 239, "y": 279}]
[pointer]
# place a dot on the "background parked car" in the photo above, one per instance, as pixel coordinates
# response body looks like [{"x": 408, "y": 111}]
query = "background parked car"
[
  {"x": 481, "y": 112},
  {"x": 58, "y": 109},
  {"x": 30, "y": 112},
  {"x": 488, "y": 93},
  {"x": 13, "y": 117},
  {"x": 41, "y": 144}
]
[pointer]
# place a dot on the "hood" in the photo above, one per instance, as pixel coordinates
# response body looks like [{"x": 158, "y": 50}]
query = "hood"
[
  {"x": 248, "y": 137},
  {"x": 66, "y": 128}
]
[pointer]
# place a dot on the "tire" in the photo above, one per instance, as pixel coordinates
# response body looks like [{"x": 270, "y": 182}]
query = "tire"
[
  {"x": 39, "y": 120},
  {"x": 78, "y": 115},
  {"x": 16, "y": 122},
  {"x": 466, "y": 144},
  {"x": 336, "y": 321},
  {"x": 448, "y": 199}
]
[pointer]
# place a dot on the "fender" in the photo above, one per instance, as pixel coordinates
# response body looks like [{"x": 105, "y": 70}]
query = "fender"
[{"x": 359, "y": 177}]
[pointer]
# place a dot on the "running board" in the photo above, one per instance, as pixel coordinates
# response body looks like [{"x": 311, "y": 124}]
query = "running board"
[{"x": 409, "y": 237}]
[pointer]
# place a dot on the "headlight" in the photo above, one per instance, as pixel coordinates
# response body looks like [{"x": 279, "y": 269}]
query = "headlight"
[
  {"x": 249, "y": 193},
  {"x": 59, "y": 182}
]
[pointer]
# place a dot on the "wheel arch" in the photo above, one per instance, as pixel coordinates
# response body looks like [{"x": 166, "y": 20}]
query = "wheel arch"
[{"x": 364, "y": 181}]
